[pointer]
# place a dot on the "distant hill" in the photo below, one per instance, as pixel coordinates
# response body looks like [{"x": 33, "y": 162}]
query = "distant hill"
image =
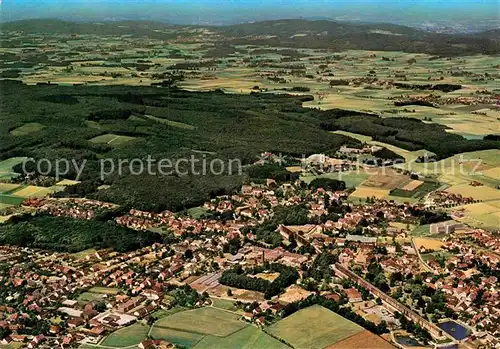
[
  {"x": 293, "y": 33},
  {"x": 377, "y": 37}
]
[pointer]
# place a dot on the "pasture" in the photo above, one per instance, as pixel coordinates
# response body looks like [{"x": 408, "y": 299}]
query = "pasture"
[
  {"x": 127, "y": 336},
  {"x": 314, "y": 327},
  {"x": 207, "y": 321},
  {"x": 28, "y": 128}
]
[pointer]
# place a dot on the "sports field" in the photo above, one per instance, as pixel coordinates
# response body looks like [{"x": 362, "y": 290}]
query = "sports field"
[
  {"x": 127, "y": 336},
  {"x": 208, "y": 321},
  {"x": 314, "y": 327}
]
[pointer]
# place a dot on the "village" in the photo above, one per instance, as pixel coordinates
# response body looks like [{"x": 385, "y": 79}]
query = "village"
[{"x": 361, "y": 257}]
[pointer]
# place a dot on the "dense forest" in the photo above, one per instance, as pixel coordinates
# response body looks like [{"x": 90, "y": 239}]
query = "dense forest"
[
  {"x": 70, "y": 122},
  {"x": 163, "y": 123},
  {"x": 72, "y": 235},
  {"x": 407, "y": 133}
]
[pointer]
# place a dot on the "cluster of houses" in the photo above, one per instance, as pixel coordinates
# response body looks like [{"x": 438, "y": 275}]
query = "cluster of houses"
[{"x": 50, "y": 286}]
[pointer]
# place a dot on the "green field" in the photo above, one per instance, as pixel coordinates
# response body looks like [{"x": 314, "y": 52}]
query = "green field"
[
  {"x": 104, "y": 290},
  {"x": 351, "y": 179},
  {"x": 196, "y": 212},
  {"x": 6, "y": 166},
  {"x": 314, "y": 327},
  {"x": 89, "y": 297},
  {"x": 27, "y": 129},
  {"x": 128, "y": 336},
  {"x": 178, "y": 337},
  {"x": 249, "y": 337},
  {"x": 223, "y": 304},
  {"x": 112, "y": 139},
  {"x": 417, "y": 193},
  {"x": 208, "y": 321},
  {"x": 11, "y": 200}
]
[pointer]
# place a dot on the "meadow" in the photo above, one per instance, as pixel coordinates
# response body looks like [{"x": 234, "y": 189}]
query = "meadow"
[
  {"x": 314, "y": 327},
  {"x": 209, "y": 321},
  {"x": 127, "y": 336}
]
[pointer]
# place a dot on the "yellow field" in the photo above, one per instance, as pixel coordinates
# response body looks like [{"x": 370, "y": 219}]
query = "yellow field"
[
  {"x": 412, "y": 185},
  {"x": 478, "y": 193},
  {"x": 67, "y": 182},
  {"x": 482, "y": 214},
  {"x": 363, "y": 192},
  {"x": 7, "y": 187},
  {"x": 33, "y": 191},
  {"x": 493, "y": 172},
  {"x": 430, "y": 244}
]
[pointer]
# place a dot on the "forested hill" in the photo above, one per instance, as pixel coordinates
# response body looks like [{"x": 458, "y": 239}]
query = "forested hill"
[
  {"x": 291, "y": 33},
  {"x": 129, "y": 122}
]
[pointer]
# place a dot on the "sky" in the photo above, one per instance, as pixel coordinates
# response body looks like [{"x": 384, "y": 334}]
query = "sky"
[{"x": 235, "y": 11}]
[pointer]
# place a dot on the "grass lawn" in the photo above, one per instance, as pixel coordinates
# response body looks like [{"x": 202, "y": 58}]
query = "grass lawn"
[
  {"x": 206, "y": 320},
  {"x": 160, "y": 313},
  {"x": 249, "y": 337},
  {"x": 314, "y": 327},
  {"x": 125, "y": 337},
  {"x": 89, "y": 297},
  {"x": 196, "y": 212},
  {"x": 104, "y": 290},
  {"x": 421, "y": 230},
  {"x": 223, "y": 304}
]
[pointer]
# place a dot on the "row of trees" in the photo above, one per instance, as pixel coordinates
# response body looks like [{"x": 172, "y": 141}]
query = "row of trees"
[{"x": 239, "y": 278}]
